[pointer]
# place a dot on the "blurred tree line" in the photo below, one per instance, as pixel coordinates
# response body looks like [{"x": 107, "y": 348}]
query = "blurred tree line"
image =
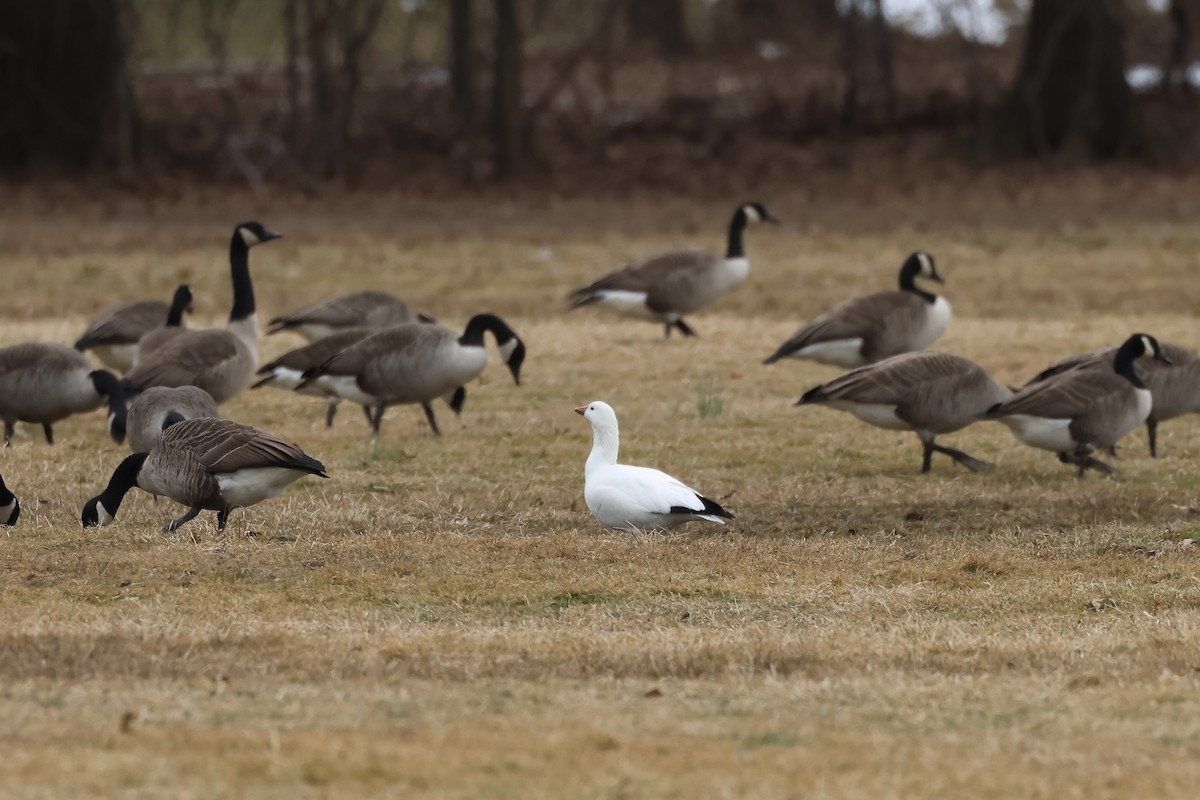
[{"x": 327, "y": 89}]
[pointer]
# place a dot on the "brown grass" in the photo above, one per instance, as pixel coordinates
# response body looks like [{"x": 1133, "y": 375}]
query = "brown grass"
[{"x": 444, "y": 618}]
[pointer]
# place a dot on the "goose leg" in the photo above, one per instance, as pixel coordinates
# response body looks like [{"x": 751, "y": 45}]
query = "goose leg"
[
  {"x": 376, "y": 420},
  {"x": 330, "y": 412},
  {"x": 222, "y": 518},
  {"x": 1152, "y": 433},
  {"x": 432, "y": 420},
  {"x": 683, "y": 328},
  {"x": 8, "y": 432},
  {"x": 176, "y": 524},
  {"x": 46, "y": 429},
  {"x": 973, "y": 464}
]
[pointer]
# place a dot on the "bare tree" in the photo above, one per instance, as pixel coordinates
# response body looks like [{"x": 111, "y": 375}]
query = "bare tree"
[
  {"x": 462, "y": 57},
  {"x": 506, "y": 91},
  {"x": 663, "y": 23}
]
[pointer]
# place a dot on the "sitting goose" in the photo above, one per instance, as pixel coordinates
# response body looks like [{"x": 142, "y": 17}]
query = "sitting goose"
[
  {"x": 156, "y": 337},
  {"x": 209, "y": 463},
  {"x": 43, "y": 382},
  {"x": 1174, "y": 388},
  {"x": 366, "y": 309},
  {"x": 665, "y": 287},
  {"x": 1081, "y": 410},
  {"x": 872, "y": 327},
  {"x": 114, "y": 332},
  {"x": 221, "y": 361},
  {"x": 927, "y": 393},
  {"x": 10, "y": 506},
  {"x": 416, "y": 363},
  {"x": 635, "y": 499},
  {"x": 287, "y": 371},
  {"x": 150, "y": 409}
]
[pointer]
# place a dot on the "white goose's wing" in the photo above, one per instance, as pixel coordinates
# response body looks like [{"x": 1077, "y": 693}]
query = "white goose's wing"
[{"x": 648, "y": 490}]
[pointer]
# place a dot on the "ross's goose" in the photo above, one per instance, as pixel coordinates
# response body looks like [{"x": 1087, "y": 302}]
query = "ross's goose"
[{"x": 635, "y": 499}]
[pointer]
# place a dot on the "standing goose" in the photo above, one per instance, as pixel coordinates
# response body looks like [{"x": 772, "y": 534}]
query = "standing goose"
[
  {"x": 1081, "y": 410},
  {"x": 114, "y": 332},
  {"x": 287, "y": 371},
  {"x": 43, "y": 382},
  {"x": 635, "y": 499},
  {"x": 150, "y": 410},
  {"x": 366, "y": 309},
  {"x": 221, "y": 361},
  {"x": 872, "y": 327},
  {"x": 665, "y": 287},
  {"x": 928, "y": 393},
  {"x": 1174, "y": 388},
  {"x": 416, "y": 363},
  {"x": 10, "y": 506},
  {"x": 209, "y": 463},
  {"x": 156, "y": 337}
]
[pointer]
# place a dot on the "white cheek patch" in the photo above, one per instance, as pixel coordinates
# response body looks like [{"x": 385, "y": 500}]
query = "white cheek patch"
[
  {"x": 926, "y": 264},
  {"x": 248, "y": 238},
  {"x": 506, "y": 349},
  {"x": 103, "y": 516},
  {"x": 751, "y": 213},
  {"x": 1148, "y": 346}
]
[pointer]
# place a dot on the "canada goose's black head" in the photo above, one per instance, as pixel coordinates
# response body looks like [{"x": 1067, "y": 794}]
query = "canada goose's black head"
[
  {"x": 183, "y": 298},
  {"x": 921, "y": 265},
  {"x": 514, "y": 356},
  {"x": 1142, "y": 344},
  {"x": 253, "y": 233},
  {"x": 757, "y": 212},
  {"x": 102, "y": 509},
  {"x": 94, "y": 515}
]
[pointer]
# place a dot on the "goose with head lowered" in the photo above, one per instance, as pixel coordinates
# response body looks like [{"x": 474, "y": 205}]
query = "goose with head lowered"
[
  {"x": 205, "y": 464},
  {"x": 156, "y": 337},
  {"x": 416, "y": 363},
  {"x": 10, "y": 506},
  {"x": 287, "y": 371},
  {"x": 366, "y": 309},
  {"x": 665, "y": 287},
  {"x": 150, "y": 411},
  {"x": 927, "y": 393},
  {"x": 872, "y": 327},
  {"x": 1082, "y": 410},
  {"x": 221, "y": 361},
  {"x": 635, "y": 499},
  {"x": 43, "y": 383},
  {"x": 1174, "y": 388},
  {"x": 114, "y": 332}
]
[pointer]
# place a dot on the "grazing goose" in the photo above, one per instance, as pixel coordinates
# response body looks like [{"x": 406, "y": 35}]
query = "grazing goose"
[
  {"x": 1174, "y": 388},
  {"x": 209, "y": 463},
  {"x": 150, "y": 409},
  {"x": 355, "y": 310},
  {"x": 114, "y": 332},
  {"x": 156, "y": 337},
  {"x": 416, "y": 363},
  {"x": 10, "y": 506},
  {"x": 665, "y": 287},
  {"x": 221, "y": 361},
  {"x": 928, "y": 393},
  {"x": 635, "y": 499},
  {"x": 43, "y": 382},
  {"x": 1081, "y": 410},
  {"x": 872, "y": 327},
  {"x": 287, "y": 371}
]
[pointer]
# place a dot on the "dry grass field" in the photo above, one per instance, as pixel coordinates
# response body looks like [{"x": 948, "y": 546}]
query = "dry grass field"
[{"x": 443, "y": 618}]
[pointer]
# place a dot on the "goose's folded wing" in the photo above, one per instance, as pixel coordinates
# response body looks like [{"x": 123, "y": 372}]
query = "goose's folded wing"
[
  {"x": 124, "y": 323},
  {"x": 650, "y": 490},
  {"x": 1063, "y": 397}
]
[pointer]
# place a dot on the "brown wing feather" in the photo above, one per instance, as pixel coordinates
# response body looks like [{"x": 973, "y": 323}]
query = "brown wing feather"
[
  {"x": 375, "y": 309},
  {"x": 182, "y": 359},
  {"x": 355, "y": 358},
  {"x": 663, "y": 278},
  {"x": 318, "y": 352},
  {"x": 223, "y": 446},
  {"x": 1065, "y": 396},
  {"x": 124, "y": 323},
  {"x": 858, "y": 317}
]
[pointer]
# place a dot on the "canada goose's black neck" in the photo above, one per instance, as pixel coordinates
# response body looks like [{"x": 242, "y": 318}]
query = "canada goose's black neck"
[
  {"x": 107, "y": 386},
  {"x": 737, "y": 225},
  {"x": 1123, "y": 361},
  {"x": 908, "y": 280},
  {"x": 124, "y": 478},
  {"x": 239, "y": 273},
  {"x": 481, "y": 323},
  {"x": 179, "y": 304}
]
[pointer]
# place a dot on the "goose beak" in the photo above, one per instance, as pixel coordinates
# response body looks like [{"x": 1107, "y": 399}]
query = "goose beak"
[
  {"x": 1161, "y": 356},
  {"x": 771, "y": 218},
  {"x": 580, "y": 410},
  {"x": 269, "y": 234}
]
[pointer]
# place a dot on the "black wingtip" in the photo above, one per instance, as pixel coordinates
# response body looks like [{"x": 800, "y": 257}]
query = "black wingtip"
[
  {"x": 993, "y": 412},
  {"x": 711, "y": 508},
  {"x": 813, "y": 395}
]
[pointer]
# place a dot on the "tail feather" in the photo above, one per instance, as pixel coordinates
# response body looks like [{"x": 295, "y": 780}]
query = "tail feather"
[
  {"x": 813, "y": 395},
  {"x": 582, "y": 297},
  {"x": 711, "y": 510}
]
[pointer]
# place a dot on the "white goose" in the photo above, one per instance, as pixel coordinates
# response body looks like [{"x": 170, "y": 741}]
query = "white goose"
[{"x": 635, "y": 499}]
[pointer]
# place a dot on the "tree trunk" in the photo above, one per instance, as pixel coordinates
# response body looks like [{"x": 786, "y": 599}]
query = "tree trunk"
[
  {"x": 506, "y": 91},
  {"x": 1070, "y": 95},
  {"x": 462, "y": 58},
  {"x": 663, "y": 23}
]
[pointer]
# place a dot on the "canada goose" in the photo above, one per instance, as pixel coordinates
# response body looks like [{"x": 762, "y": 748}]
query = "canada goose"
[
  {"x": 366, "y": 309},
  {"x": 221, "y": 361},
  {"x": 872, "y": 327},
  {"x": 665, "y": 287},
  {"x": 1083, "y": 409},
  {"x": 113, "y": 334},
  {"x": 209, "y": 463},
  {"x": 43, "y": 382},
  {"x": 929, "y": 393},
  {"x": 151, "y": 408},
  {"x": 173, "y": 326},
  {"x": 635, "y": 499},
  {"x": 287, "y": 371},
  {"x": 416, "y": 363},
  {"x": 10, "y": 506},
  {"x": 1174, "y": 388}
]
